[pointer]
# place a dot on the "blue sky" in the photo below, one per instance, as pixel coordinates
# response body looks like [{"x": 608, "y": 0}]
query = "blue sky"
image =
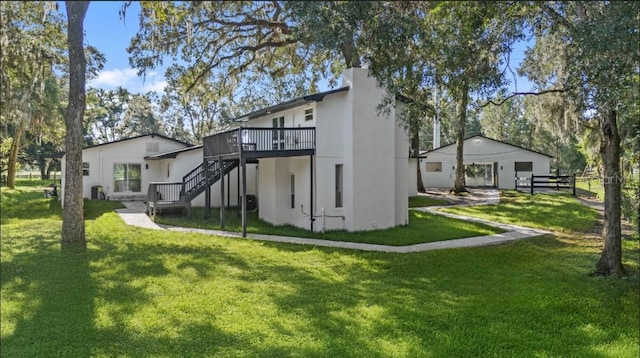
[{"x": 111, "y": 35}]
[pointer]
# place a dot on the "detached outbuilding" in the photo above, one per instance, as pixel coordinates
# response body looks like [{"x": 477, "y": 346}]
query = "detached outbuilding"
[{"x": 488, "y": 163}]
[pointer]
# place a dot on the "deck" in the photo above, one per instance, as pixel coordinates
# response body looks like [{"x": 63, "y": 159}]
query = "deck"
[{"x": 253, "y": 143}]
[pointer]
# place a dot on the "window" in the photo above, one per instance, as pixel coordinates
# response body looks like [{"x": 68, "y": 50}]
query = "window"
[
  {"x": 308, "y": 114},
  {"x": 126, "y": 177},
  {"x": 434, "y": 166},
  {"x": 85, "y": 169},
  {"x": 293, "y": 191},
  {"x": 339, "y": 185},
  {"x": 524, "y": 166}
]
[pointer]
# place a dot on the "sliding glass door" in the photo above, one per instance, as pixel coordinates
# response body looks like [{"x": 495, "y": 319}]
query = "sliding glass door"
[{"x": 127, "y": 177}]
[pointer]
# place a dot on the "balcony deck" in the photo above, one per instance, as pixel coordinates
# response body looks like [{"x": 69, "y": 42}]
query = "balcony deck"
[{"x": 253, "y": 143}]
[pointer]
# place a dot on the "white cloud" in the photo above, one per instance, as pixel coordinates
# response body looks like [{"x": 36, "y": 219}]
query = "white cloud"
[
  {"x": 114, "y": 78},
  {"x": 154, "y": 85},
  {"x": 128, "y": 78}
]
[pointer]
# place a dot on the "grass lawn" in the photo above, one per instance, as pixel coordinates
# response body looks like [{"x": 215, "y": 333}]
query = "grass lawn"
[
  {"x": 422, "y": 201},
  {"x": 591, "y": 187},
  {"x": 423, "y": 227},
  {"x": 557, "y": 212},
  {"x": 146, "y": 293}
]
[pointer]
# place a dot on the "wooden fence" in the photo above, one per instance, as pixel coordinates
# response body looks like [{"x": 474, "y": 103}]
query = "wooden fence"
[{"x": 547, "y": 182}]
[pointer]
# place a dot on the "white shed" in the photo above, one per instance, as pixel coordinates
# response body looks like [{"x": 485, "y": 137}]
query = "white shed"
[{"x": 488, "y": 163}]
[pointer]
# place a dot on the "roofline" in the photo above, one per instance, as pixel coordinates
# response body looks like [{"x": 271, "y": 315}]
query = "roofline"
[
  {"x": 495, "y": 140},
  {"x": 140, "y": 136},
  {"x": 315, "y": 97},
  {"x": 172, "y": 153}
]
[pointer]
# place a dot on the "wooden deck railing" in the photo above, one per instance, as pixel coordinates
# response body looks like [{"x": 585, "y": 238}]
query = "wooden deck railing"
[
  {"x": 259, "y": 140},
  {"x": 547, "y": 182},
  {"x": 164, "y": 195}
]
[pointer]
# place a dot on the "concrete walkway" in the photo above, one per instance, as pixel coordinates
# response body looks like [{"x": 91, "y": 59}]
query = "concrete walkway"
[{"x": 134, "y": 214}]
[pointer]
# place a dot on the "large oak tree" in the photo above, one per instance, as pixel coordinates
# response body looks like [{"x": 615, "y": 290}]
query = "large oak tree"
[
  {"x": 73, "y": 233},
  {"x": 596, "y": 63}
]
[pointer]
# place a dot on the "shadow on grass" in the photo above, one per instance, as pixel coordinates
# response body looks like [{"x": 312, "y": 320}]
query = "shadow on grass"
[
  {"x": 59, "y": 316},
  {"x": 138, "y": 292}
]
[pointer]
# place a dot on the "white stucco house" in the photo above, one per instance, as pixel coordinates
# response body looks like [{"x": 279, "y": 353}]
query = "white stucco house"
[
  {"x": 324, "y": 161},
  {"x": 123, "y": 169},
  {"x": 119, "y": 167},
  {"x": 488, "y": 163}
]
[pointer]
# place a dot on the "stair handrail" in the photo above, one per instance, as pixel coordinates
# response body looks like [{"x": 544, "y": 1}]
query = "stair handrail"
[{"x": 194, "y": 182}]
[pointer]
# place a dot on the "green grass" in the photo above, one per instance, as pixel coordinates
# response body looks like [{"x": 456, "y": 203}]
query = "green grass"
[
  {"x": 422, "y": 201},
  {"x": 558, "y": 212},
  {"x": 591, "y": 187},
  {"x": 146, "y": 293},
  {"x": 423, "y": 227}
]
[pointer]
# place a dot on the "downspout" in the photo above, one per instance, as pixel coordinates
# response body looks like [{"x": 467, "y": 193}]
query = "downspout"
[{"x": 311, "y": 211}]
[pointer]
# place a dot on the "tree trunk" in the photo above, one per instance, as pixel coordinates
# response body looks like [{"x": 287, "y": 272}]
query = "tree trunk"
[
  {"x": 73, "y": 235},
  {"x": 350, "y": 52},
  {"x": 415, "y": 151},
  {"x": 12, "y": 164},
  {"x": 461, "y": 111},
  {"x": 611, "y": 258}
]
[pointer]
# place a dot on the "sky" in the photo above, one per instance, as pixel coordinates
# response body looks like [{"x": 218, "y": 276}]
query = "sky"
[{"x": 111, "y": 35}]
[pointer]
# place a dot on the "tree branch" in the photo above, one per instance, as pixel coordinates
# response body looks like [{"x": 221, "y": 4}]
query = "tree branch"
[{"x": 560, "y": 90}]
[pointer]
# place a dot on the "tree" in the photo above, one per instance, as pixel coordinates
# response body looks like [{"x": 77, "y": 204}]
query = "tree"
[
  {"x": 73, "y": 233},
  {"x": 595, "y": 67},
  {"x": 459, "y": 47},
  {"x": 140, "y": 116},
  {"x": 105, "y": 114},
  {"x": 239, "y": 46},
  {"x": 31, "y": 48}
]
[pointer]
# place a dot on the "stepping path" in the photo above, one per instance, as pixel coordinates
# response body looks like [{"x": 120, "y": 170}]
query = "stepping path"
[{"x": 134, "y": 214}]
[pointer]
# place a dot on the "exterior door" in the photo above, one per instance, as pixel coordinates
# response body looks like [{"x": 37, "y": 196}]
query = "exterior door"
[{"x": 277, "y": 135}]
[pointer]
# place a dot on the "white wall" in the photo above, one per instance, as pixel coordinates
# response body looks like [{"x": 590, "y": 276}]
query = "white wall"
[
  {"x": 412, "y": 175},
  {"x": 293, "y": 118},
  {"x": 333, "y": 112},
  {"x": 102, "y": 158},
  {"x": 483, "y": 150},
  {"x": 275, "y": 190}
]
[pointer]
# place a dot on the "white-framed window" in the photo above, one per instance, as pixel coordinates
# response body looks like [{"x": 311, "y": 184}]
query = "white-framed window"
[
  {"x": 523, "y": 166},
  {"x": 308, "y": 114},
  {"x": 339, "y": 185},
  {"x": 127, "y": 177},
  {"x": 293, "y": 191},
  {"x": 433, "y": 166},
  {"x": 85, "y": 169}
]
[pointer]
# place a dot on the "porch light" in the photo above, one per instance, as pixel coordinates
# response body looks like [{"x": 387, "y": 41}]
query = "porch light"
[{"x": 146, "y": 166}]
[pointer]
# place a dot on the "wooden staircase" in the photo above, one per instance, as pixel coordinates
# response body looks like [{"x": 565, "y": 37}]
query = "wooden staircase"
[{"x": 180, "y": 195}]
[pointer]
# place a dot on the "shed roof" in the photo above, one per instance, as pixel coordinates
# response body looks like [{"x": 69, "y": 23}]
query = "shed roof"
[
  {"x": 485, "y": 137},
  {"x": 172, "y": 153},
  {"x": 141, "y": 136}
]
